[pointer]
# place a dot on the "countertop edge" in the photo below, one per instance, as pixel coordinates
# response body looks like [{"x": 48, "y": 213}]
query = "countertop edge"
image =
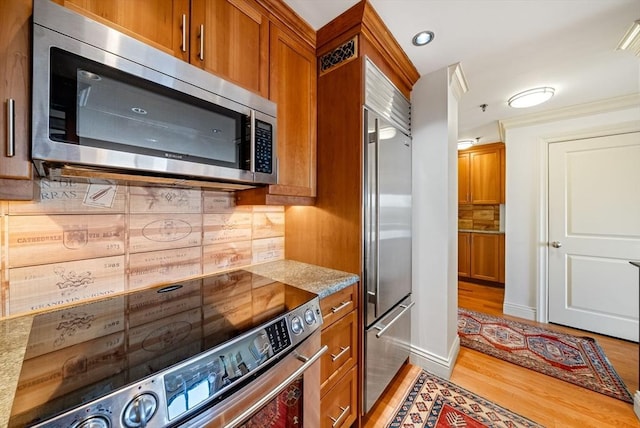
[
  {"x": 316, "y": 279},
  {"x": 488, "y": 232}
]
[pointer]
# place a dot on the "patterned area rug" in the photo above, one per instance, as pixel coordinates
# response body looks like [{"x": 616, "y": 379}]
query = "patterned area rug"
[
  {"x": 578, "y": 360},
  {"x": 435, "y": 402}
]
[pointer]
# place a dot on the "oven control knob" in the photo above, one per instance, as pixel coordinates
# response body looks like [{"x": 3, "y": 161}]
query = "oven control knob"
[
  {"x": 296, "y": 325},
  {"x": 94, "y": 422},
  {"x": 140, "y": 410},
  {"x": 309, "y": 316}
]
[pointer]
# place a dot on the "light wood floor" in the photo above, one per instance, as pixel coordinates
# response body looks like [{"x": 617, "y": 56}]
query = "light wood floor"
[{"x": 544, "y": 399}]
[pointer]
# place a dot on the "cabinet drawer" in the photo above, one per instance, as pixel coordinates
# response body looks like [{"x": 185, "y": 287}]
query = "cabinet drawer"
[
  {"x": 338, "y": 406},
  {"x": 338, "y": 304},
  {"x": 342, "y": 340}
]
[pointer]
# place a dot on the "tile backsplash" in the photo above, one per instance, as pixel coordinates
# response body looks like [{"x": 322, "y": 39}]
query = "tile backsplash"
[
  {"x": 479, "y": 217},
  {"x": 80, "y": 241}
]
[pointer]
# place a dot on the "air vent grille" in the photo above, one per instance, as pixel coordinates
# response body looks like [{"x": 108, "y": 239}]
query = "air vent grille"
[
  {"x": 385, "y": 99},
  {"x": 339, "y": 56}
]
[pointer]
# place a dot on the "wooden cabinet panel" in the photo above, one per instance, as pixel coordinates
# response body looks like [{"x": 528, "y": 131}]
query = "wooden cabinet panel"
[
  {"x": 481, "y": 175},
  {"x": 485, "y": 177},
  {"x": 342, "y": 340},
  {"x": 338, "y": 304},
  {"x": 230, "y": 38},
  {"x": 156, "y": 22},
  {"x": 15, "y": 75},
  {"x": 485, "y": 252},
  {"x": 464, "y": 191},
  {"x": 338, "y": 408},
  {"x": 464, "y": 254}
]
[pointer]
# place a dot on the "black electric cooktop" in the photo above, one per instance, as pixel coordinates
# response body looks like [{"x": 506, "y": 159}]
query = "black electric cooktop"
[{"x": 77, "y": 354}]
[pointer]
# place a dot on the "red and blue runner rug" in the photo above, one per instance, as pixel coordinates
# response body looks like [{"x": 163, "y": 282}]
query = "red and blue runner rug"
[
  {"x": 436, "y": 403},
  {"x": 579, "y": 360}
]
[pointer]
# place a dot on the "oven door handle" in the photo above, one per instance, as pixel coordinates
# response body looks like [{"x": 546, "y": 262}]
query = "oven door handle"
[{"x": 308, "y": 361}]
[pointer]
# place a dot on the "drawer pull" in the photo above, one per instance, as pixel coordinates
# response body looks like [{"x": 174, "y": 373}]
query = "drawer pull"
[
  {"x": 336, "y": 421},
  {"x": 343, "y": 305},
  {"x": 343, "y": 350}
]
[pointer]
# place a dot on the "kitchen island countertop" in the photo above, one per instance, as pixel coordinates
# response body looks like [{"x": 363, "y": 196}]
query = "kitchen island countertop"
[{"x": 14, "y": 332}]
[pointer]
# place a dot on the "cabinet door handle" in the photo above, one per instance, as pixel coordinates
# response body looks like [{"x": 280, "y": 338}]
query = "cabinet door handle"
[
  {"x": 343, "y": 305},
  {"x": 343, "y": 350},
  {"x": 201, "y": 54},
  {"x": 183, "y": 47},
  {"x": 336, "y": 421},
  {"x": 11, "y": 127}
]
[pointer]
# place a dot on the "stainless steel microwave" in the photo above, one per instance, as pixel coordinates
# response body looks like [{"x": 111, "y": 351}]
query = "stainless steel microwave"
[{"x": 106, "y": 105}]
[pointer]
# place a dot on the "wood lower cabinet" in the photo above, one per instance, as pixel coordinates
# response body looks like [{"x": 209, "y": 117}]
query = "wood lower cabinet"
[
  {"x": 339, "y": 366},
  {"x": 464, "y": 254},
  {"x": 15, "y": 77},
  {"x": 481, "y": 256}
]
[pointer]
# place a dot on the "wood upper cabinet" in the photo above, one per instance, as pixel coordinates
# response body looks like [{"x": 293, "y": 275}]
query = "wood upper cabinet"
[
  {"x": 293, "y": 87},
  {"x": 163, "y": 24},
  {"x": 230, "y": 38},
  {"x": 464, "y": 189},
  {"x": 481, "y": 175},
  {"x": 15, "y": 75}
]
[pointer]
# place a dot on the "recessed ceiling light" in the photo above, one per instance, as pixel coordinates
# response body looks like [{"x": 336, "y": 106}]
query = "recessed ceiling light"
[
  {"x": 423, "y": 37},
  {"x": 531, "y": 98},
  {"x": 138, "y": 110}
]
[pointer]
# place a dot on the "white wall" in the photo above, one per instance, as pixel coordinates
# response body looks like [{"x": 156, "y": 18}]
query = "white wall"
[
  {"x": 526, "y": 169},
  {"x": 434, "y": 336}
]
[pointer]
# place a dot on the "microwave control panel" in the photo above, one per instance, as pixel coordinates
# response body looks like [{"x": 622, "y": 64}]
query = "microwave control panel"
[{"x": 264, "y": 147}]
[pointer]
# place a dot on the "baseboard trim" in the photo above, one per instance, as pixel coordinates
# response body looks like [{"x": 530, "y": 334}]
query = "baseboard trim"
[
  {"x": 636, "y": 404},
  {"x": 436, "y": 364},
  {"x": 519, "y": 311}
]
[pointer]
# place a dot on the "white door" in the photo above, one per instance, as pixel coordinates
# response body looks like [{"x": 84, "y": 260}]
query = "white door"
[{"x": 594, "y": 231}]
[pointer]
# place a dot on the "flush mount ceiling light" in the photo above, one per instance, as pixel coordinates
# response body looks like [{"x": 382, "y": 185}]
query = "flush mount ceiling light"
[
  {"x": 423, "y": 38},
  {"x": 631, "y": 39},
  {"x": 531, "y": 98},
  {"x": 465, "y": 144}
]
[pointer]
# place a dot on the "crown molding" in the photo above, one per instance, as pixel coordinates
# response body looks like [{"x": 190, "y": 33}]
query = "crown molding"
[
  {"x": 571, "y": 112},
  {"x": 457, "y": 81}
]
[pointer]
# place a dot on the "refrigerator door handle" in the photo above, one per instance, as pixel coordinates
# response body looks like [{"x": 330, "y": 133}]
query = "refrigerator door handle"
[{"x": 382, "y": 330}]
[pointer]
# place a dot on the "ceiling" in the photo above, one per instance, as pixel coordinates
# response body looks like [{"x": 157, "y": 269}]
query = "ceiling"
[{"x": 507, "y": 46}]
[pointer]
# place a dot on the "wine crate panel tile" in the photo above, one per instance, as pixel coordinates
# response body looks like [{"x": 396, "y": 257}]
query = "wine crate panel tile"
[
  {"x": 68, "y": 370},
  {"x": 151, "y": 305},
  {"x": 153, "y": 232},
  {"x": 268, "y": 224},
  {"x": 220, "y": 202},
  {"x": 267, "y": 250},
  {"x": 232, "y": 255},
  {"x": 162, "y": 267},
  {"x": 37, "y": 240},
  {"x": 69, "y": 197},
  {"x": 228, "y": 227},
  {"x": 73, "y": 326},
  {"x": 47, "y": 286},
  {"x": 164, "y": 200}
]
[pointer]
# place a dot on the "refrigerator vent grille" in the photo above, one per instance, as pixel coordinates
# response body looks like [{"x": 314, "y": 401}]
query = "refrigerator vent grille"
[
  {"x": 340, "y": 55},
  {"x": 385, "y": 99}
]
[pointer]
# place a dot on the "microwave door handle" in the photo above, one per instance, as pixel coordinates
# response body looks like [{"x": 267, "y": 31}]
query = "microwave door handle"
[{"x": 252, "y": 140}]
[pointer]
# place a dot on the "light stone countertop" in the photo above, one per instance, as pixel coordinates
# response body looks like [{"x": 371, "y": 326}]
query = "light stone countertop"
[
  {"x": 14, "y": 332},
  {"x": 488, "y": 232}
]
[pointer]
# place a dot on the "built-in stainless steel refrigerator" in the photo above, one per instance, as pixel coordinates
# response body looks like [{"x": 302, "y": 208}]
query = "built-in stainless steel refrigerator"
[{"x": 387, "y": 233}]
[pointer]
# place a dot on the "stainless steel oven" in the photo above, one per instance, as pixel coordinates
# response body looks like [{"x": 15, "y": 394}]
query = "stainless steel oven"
[{"x": 233, "y": 349}]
